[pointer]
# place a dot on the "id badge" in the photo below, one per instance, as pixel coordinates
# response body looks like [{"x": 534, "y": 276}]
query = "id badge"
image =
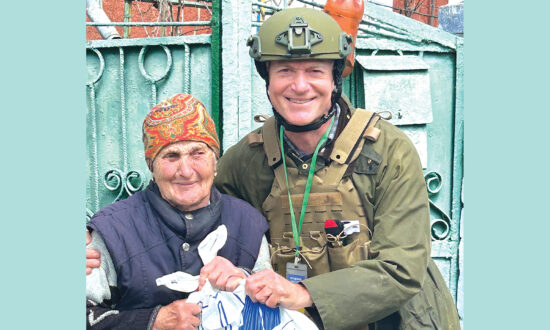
[{"x": 296, "y": 272}]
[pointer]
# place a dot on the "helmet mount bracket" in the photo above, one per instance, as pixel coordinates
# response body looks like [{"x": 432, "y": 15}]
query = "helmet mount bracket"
[{"x": 297, "y": 26}]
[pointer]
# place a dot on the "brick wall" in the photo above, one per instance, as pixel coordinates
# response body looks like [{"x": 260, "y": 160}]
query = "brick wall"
[
  {"x": 146, "y": 12},
  {"x": 424, "y": 8}
]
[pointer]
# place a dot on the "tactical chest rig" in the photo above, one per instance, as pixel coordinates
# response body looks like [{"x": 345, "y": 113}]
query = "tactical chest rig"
[{"x": 332, "y": 196}]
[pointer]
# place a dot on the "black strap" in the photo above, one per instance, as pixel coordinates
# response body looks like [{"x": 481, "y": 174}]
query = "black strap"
[{"x": 305, "y": 128}]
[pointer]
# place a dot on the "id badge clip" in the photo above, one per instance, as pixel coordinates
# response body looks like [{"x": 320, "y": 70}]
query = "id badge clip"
[{"x": 296, "y": 271}]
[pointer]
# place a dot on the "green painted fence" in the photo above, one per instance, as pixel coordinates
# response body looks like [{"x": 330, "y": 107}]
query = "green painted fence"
[{"x": 126, "y": 77}]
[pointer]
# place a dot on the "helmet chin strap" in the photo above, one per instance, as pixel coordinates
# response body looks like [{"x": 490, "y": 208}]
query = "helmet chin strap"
[
  {"x": 311, "y": 126},
  {"x": 304, "y": 128}
]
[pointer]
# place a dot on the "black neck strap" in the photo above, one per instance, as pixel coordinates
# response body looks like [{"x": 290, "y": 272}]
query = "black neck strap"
[{"x": 305, "y": 128}]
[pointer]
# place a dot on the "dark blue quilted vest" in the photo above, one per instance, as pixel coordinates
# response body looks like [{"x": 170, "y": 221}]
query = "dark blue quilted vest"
[{"x": 143, "y": 248}]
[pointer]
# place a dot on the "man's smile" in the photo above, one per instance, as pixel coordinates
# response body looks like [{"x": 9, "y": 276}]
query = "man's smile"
[{"x": 299, "y": 101}]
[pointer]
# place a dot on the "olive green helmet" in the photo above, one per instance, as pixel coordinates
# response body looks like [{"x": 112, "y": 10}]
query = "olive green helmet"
[{"x": 299, "y": 33}]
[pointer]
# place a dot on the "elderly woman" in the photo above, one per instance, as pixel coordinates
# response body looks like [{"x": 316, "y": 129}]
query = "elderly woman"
[{"x": 157, "y": 231}]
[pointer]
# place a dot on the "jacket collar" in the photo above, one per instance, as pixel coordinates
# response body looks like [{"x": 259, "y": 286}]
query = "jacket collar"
[{"x": 192, "y": 226}]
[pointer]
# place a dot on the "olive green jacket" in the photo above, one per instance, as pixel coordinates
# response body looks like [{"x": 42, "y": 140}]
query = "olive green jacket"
[{"x": 399, "y": 287}]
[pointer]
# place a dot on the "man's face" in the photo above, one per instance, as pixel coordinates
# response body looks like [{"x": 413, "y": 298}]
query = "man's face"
[
  {"x": 300, "y": 91},
  {"x": 184, "y": 172}
]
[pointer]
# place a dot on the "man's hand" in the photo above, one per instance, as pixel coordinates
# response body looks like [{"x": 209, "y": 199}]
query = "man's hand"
[
  {"x": 273, "y": 290},
  {"x": 92, "y": 256},
  {"x": 178, "y": 315},
  {"x": 222, "y": 274}
]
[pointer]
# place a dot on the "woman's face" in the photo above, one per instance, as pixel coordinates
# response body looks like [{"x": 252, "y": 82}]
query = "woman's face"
[{"x": 184, "y": 172}]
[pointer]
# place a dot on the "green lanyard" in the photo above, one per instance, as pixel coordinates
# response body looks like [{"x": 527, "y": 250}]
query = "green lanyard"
[{"x": 296, "y": 231}]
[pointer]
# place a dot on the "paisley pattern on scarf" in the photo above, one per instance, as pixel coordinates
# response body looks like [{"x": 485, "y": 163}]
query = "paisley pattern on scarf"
[{"x": 179, "y": 118}]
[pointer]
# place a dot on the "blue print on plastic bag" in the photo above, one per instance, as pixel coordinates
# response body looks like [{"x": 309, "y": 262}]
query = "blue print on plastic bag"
[{"x": 259, "y": 317}]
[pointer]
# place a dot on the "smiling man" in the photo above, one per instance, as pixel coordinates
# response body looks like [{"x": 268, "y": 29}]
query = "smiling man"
[
  {"x": 301, "y": 92},
  {"x": 319, "y": 164}
]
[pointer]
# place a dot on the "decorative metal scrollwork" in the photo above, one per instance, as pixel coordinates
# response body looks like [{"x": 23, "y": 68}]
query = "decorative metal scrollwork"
[
  {"x": 91, "y": 82},
  {"x": 124, "y": 179},
  {"x": 439, "y": 228},
  {"x": 151, "y": 79},
  {"x": 93, "y": 128},
  {"x": 433, "y": 182},
  {"x": 123, "y": 182}
]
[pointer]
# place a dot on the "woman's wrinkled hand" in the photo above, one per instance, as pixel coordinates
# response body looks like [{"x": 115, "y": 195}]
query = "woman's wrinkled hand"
[
  {"x": 92, "y": 256},
  {"x": 179, "y": 315},
  {"x": 222, "y": 274}
]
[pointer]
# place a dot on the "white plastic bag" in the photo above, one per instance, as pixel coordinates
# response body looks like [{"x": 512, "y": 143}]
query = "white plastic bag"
[
  {"x": 234, "y": 310},
  {"x": 230, "y": 310},
  {"x": 208, "y": 249}
]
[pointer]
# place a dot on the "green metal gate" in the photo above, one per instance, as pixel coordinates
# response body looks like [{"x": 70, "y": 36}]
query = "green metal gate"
[{"x": 126, "y": 77}]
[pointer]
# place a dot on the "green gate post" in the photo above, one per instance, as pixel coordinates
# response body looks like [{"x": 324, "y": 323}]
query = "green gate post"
[{"x": 216, "y": 68}]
